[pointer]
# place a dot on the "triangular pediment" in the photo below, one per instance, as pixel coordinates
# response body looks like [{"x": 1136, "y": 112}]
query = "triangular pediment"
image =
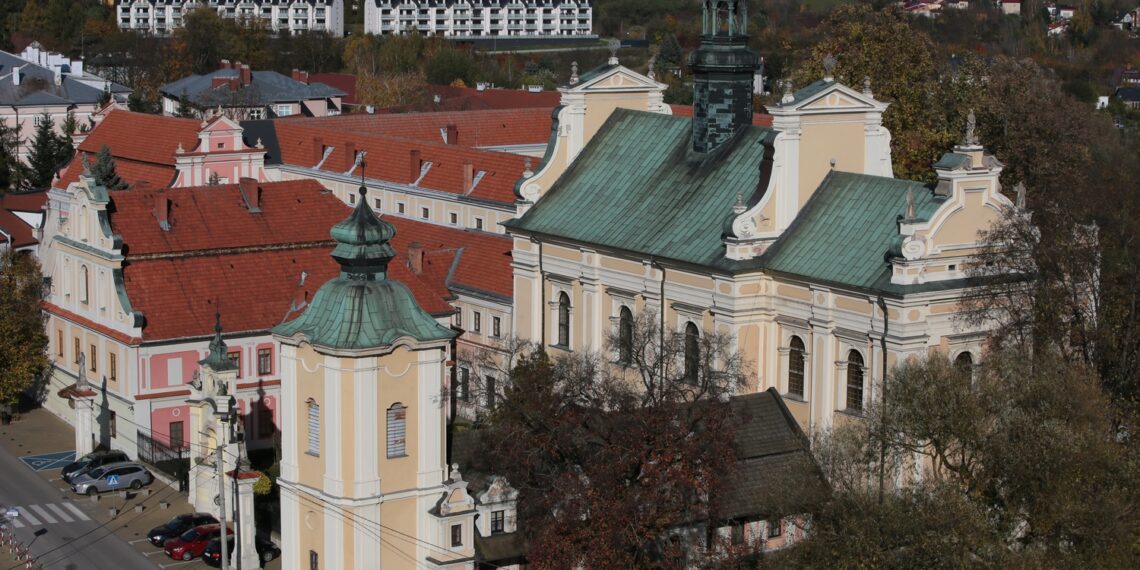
[
  {"x": 221, "y": 123},
  {"x": 613, "y": 78},
  {"x": 830, "y": 96}
]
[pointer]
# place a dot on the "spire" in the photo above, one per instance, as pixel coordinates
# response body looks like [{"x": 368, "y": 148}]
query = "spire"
[
  {"x": 723, "y": 73},
  {"x": 218, "y": 357},
  {"x": 362, "y": 248}
]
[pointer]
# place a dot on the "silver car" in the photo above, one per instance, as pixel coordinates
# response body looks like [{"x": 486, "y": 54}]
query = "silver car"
[{"x": 112, "y": 477}]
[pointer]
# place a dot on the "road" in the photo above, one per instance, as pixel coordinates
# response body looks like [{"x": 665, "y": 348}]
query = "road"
[{"x": 70, "y": 534}]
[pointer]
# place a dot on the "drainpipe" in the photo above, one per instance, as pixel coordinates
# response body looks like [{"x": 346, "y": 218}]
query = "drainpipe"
[
  {"x": 661, "y": 326},
  {"x": 883, "y": 447},
  {"x": 541, "y": 298},
  {"x": 18, "y": 129}
]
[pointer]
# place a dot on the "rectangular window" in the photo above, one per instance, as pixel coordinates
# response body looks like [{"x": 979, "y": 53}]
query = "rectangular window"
[
  {"x": 351, "y": 199},
  {"x": 264, "y": 361},
  {"x": 75, "y": 357},
  {"x": 453, "y": 218},
  {"x": 314, "y": 563},
  {"x": 94, "y": 360},
  {"x": 59, "y": 343},
  {"x": 456, "y": 535},
  {"x": 459, "y": 318},
  {"x": 265, "y": 427},
  {"x": 464, "y": 385},
  {"x": 256, "y": 114},
  {"x": 235, "y": 359},
  {"x": 496, "y": 327},
  {"x": 491, "y": 395},
  {"x": 476, "y": 321},
  {"x": 376, "y": 203},
  {"x": 774, "y": 529},
  {"x": 112, "y": 425},
  {"x": 425, "y": 213},
  {"x": 113, "y": 366},
  {"x": 498, "y": 522},
  {"x": 397, "y": 431},
  {"x": 399, "y": 207},
  {"x": 177, "y": 435},
  {"x": 283, "y": 110},
  {"x": 314, "y": 429},
  {"x": 479, "y": 223}
]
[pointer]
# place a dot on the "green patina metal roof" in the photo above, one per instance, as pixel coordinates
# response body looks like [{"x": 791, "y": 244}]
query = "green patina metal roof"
[
  {"x": 362, "y": 308},
  {"x": 645, "y": 190},
  {"x": 846, "y": 230},
  {"x": 219, "y": 356}
]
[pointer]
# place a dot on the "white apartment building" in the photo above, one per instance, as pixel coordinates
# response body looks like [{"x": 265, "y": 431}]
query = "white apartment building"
[
  {"x": 163, "y": 16},
  {"x": 480, "y": 18}
]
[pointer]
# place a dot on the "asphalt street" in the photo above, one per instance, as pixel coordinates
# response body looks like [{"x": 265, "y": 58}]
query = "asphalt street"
[{"x": 62, "y": 529}]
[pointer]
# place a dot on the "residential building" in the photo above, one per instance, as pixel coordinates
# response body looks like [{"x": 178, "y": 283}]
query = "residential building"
[
  {"x": 21, "y": 214},
  {"x": 1010, "y": 7},
  {"x": 280, "y": 16},
  {"x": 240, "y": 93},
  {"x": 480, "y": 18},
  {"x": 36, "y": 82}
]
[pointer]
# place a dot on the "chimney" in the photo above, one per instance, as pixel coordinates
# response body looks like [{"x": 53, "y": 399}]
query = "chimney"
[
  {"x": 468, "y": 176},
  {"x": 218, "y": 82},
  {"x": 162, "y": 210},
  {"x": 304, "y": 77},
  {"x": 250, "y": 193},
  {"x": 296, "y": 74},
  {"x": 16, "y": 75},
  {"x": 723, "y": 69},
  {"x": 349, "y": 155},
  {"x": 318, "y": 150},
  {"x": 59, "y": 76},
  {"x": 452, "y": 134},
  {"x": 416, "y": 257},
  {"x": 246, "y": 75},
  {"x": 415, "y": 165},
  {"x": 225, "y": 64}
]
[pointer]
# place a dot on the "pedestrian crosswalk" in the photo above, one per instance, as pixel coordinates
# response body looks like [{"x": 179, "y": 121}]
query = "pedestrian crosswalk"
[{"x": 49, "y": 513}]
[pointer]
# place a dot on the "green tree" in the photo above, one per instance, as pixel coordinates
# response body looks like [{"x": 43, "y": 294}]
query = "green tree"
[
  {"x": 203, "y": 33},
  {"x": 670, "y": 53},
  {"x": 103, "y": 170},
  {"x": 47, "y": 154},
  {"x": 185, "y": 109},
  {"x": 23, "y": 342},
  {"x": 12, "y": 170},
  {"x": 448, "y": 65}
]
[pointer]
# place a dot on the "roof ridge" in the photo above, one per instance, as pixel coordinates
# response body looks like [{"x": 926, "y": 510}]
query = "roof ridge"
[{"x": 223, "y": 251}]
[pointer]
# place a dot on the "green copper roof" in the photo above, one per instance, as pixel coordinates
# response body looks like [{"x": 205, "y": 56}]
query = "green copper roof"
[
  {"x": 218, "y": 357},
  {"x": 646, "y": 191},
  {"x": 362, "y": 308},
  {"x": 846, "y": 230}
]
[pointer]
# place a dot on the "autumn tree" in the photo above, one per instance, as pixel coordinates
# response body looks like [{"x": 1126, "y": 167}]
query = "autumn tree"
[
  {"x": 608, "y": 457},
  {"x": 23, "y": 342}
]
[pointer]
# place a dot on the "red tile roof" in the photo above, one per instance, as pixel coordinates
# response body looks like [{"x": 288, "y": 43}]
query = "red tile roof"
[
  {"x": 141, "y": 137},
  {"x": 484, "y": 259},
  {"x": 132, "y": 172},
  {"x": 342, "y": 81},
  {"x": 13, "y": 229},
  {"x": 475, "y": 128},
  {"x": 471, "y": 99},
  {"x": 390, "y": 158},
  {"x": 758, "y": 119}
]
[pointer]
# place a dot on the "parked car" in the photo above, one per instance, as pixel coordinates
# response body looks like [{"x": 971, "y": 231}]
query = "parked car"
[
  {"x": 91, "y": 461},
  {"x": 178, "y": 525},
  {"x": 112, "y": 477},
  {"x": 193, "y": 542},
  {"x": 266, "y": 551}
]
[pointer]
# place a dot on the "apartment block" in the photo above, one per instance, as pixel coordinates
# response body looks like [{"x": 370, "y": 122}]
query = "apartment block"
[
  {"x": 480, "y": 18},
  {"x": 291, "y": 16}
]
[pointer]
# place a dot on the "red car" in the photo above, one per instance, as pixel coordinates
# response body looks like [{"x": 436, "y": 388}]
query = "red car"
[{"x": 193, "y": 542}]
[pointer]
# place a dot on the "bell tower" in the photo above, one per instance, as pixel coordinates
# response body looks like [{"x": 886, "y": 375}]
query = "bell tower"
[{"x": 723, "y": 69}]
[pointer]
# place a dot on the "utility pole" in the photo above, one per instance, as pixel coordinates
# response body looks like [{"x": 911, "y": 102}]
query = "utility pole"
[{"x": 222, "y": 507}]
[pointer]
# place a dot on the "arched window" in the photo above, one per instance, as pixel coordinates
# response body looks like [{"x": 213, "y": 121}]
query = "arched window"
[
  {"x": 563, "y": 319},
  {"x": 692, "y": 352},
  {"x": 314, "y": 428},
  {"x": 796, "y": 367},
  {"x": 854, "y": 381},
  {"x": 625, "y": 336},
  {"x": 964, "y": 363},
  {"x": 397, "y": 430},
  {"x": 84, "y": 284}
]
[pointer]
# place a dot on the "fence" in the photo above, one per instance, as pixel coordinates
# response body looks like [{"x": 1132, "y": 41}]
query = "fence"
[{"x": 173, "y": 461}]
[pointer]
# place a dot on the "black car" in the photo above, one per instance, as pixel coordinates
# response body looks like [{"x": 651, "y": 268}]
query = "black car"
[
  {"x": 178, "y": 525},
  {"x": 266, "y": 551},
  {"x": 91, "y": 461}
]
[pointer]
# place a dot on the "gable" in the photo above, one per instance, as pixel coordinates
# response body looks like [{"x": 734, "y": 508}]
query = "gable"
[{"x": 611, "y": 78}]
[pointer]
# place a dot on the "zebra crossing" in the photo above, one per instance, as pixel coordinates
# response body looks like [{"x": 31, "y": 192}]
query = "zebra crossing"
[{"x": 48, "y": 513}]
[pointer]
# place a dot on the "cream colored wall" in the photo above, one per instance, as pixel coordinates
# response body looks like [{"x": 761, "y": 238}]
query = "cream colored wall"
[
  {"x": 599, "y": 107},
  {"x": 400, "y": 516},
  {"x": 827, "y": 137},
  {"x": 311, "y": 528},
  {"x": 399, "y": 474},
  {"x": 310, "y": 385}
]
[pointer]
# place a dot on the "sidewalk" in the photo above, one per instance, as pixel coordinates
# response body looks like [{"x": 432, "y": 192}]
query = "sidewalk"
[{"x": 38, "y": 432}]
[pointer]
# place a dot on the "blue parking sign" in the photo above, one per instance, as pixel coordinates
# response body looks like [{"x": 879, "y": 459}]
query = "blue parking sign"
[{"x": 113, "y": 480}]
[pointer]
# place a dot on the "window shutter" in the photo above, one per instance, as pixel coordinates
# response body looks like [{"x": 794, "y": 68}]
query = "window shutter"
[
  {"x": 314, "y": 428},
  {"x": 397, "y": 421}
]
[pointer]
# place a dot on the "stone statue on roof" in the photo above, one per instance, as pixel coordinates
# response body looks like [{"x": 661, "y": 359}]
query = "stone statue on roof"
[
  {"x": 574, "y": 73},
  {"x": 971, "y": 124},
  {"x": 81, "y": 382},
  {"x": 910, "y": 209},
  {"x": 829, "y": 62}
]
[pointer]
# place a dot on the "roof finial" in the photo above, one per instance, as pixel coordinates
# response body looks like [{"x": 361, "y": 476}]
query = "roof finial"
[
  {"x": 86, "y": 165},
  {"x": 739, "y": 207},
  {"x": 829, "y": 62},
  {"x": 259, "y": 144},
  {"x": 788, "y": 96},
  {"x": 867, "y": 86},
  {"x": 574, "y": 73},
  {"x": 971, "y": 124},
  {"x": 218, "y": 358},
  {"x": 179, "y": 150},
  {"x": 1020, "y": 189},
  {"x": 614, "y": 44},
  {"x": 910, "y": 211},
  {"x": 527, "y": 172},
  {"x": 650, "y": 74}
]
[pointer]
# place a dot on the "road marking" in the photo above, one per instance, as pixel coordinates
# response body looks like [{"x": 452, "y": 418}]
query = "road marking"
[
  {"x": 137, "y": 540},
  {"x": 153, "y": 553},
  {"x": 16, "y": 523},
  {"x": 78, "y": 513},
  {"x": 59, "y": 512},
  {"x": 48, "y": 519},
  {"x": 32, "y": 521},
  {"x": 49, "y": 461},
  {"x": 175, "y": 564}
]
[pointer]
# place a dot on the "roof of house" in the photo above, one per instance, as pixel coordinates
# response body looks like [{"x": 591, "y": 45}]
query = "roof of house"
[
  {"x": 468, "y": 260},
  {"x": 257, "y": 268},
  {"x": 14, "y": 229},
  {"x": 142, "y": 137},
  {"x": 1131, "y": 94},
  {"x": 648, "y": 192},
  {"x": 452, "y": 98},
  {"x": 37, "y": 85},
  {"x": 344, "y": 82},
  {"x": 265, "y": 88},
  {"x": 489, "y": 128},
  {"x": 390, "y": 158}
]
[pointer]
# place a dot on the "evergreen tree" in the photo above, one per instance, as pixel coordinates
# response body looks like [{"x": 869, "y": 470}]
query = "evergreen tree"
[
  {"x": 103, "y": 171},
  {"x": 185, "y": 109},
  {"x": 670, "y": 51},
  {"x": 12, "y": 171},
  {"x": 48, "y": 153}
]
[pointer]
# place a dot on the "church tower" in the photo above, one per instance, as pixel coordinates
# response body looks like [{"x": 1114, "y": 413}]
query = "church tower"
[
  {"x": 723, "y": 69},
  {"x": 363, "y": 418}
]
